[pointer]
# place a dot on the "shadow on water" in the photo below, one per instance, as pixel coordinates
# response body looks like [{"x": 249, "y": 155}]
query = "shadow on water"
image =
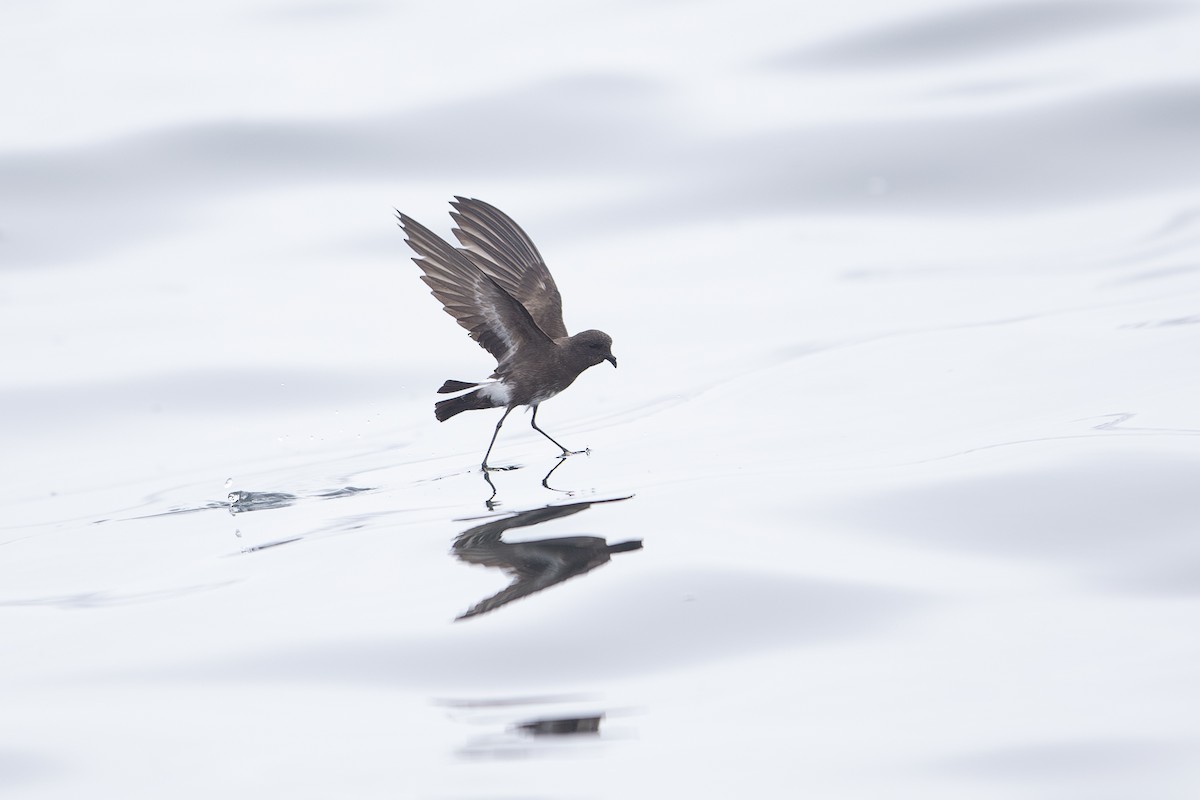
[{"x": 538, "y": 564}]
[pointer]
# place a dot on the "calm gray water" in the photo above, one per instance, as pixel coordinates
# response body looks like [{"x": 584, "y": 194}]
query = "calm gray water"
[{"x": 906, "y": 299}]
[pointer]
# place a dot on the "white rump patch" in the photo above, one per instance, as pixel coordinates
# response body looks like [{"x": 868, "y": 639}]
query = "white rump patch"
[{"x": 497, "y": 392}]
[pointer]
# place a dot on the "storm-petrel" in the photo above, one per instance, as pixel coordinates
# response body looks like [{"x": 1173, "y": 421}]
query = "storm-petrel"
[{"x": 498, "y": 287}]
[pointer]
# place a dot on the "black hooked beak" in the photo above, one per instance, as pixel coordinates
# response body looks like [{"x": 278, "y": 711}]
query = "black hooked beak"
[{"x": 612, "y": 360}]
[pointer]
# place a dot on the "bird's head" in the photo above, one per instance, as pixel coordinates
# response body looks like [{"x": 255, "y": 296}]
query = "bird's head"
[{"x": 595, "y": 346}]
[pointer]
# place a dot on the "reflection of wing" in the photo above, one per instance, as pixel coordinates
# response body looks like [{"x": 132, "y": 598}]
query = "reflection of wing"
[
  {"x": 498, "y": 246},
  {"x": 537, "y": 566},
  {"x": 499, "y": 323},
  {"x": 490, "y": 531},
  {"x": 534, "y": 565},
  {"x": 482, "y": 537}
]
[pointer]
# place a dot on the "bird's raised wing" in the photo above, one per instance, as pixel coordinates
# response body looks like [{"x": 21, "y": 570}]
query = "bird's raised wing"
[
  {"x": 500, "y": 324},
  {"x": 498, "y": 247}
]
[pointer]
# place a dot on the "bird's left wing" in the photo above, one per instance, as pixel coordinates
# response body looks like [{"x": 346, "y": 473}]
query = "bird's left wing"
[{"x": 498, "y": 246}]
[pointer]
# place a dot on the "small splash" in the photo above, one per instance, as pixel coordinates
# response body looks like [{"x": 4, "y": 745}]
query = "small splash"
[
  {"x": 256, "y": 501},
  {"x": 241, "y": 501}
]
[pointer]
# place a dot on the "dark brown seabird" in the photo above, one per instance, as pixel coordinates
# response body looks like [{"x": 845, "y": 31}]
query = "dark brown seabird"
[{"x": 498, "y": 287}]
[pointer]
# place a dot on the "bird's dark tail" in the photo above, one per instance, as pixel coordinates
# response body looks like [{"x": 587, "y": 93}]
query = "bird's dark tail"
[
  {"x": 445, "y": 409},
  {"x": 455, "y": 386}
]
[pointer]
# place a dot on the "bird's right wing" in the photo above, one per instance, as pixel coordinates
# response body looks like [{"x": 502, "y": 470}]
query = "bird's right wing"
[{"x": 500, "y": 324}]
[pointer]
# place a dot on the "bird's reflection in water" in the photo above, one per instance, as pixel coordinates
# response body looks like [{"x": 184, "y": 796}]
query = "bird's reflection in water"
[
  {"x": 546, "y": 726},
  {"x": 538, "y": 738},
  {"x": 562, "y": 726},
  {"x": 491, "y": 503},
  {"x": 538, "y": 564}
]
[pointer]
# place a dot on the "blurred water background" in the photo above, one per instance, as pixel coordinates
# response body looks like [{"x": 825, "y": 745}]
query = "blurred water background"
[{"x": 906, "y": 298}]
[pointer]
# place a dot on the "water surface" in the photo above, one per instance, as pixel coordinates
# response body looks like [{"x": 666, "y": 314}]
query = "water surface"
[{"x": 905, "y": 299}]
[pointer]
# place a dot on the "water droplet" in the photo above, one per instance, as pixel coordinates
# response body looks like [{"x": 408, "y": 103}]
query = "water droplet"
[{"x": 228, "y": 483}]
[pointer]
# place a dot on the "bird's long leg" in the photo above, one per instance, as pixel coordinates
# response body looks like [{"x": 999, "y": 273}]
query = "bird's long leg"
[
  {"x": 565, "y": 451},
  {"x": 494, "y": 435}
]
